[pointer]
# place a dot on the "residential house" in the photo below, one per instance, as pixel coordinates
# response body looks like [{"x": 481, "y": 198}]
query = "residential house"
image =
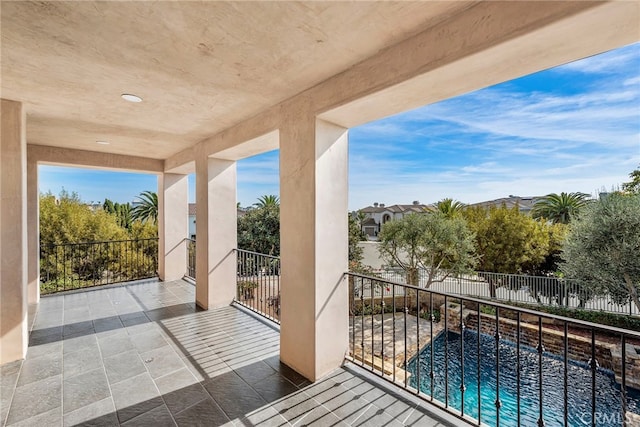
[{"x": 379, "y": 214}]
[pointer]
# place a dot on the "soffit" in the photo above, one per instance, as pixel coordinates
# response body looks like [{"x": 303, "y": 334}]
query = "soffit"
[{"x": 201, "y": 67}]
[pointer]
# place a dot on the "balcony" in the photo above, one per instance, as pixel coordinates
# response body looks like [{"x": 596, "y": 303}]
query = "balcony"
[{"x": 143, "y": 354}]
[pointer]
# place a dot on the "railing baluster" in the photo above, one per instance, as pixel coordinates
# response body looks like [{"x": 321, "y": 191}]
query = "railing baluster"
[
  {"x": 431, "y": 319},
  {"x": 498, "y": 401},
  {"x": 540, "y": 351},
  {"x": 462, "y": 386},
  {"x": 446, "y": 353},
  {"x": 393, "y": 311},
  {"x": 565, "y": 354},
  {"x": 479, "y": 373},
  {"x": 418, "y": 365},
  {"x": 623, "y": 379},
  {"x": 593, "y": 365}
]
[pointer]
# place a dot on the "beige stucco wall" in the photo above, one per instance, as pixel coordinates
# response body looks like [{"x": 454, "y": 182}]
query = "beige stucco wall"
[
  {"x": 173, "y": 214},
  {"x": 13, "y": 232}
]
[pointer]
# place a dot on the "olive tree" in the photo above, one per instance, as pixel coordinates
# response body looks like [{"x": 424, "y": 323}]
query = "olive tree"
[
  {"x": 439, "y": 245},
  {"x": 602, "y": 250}
]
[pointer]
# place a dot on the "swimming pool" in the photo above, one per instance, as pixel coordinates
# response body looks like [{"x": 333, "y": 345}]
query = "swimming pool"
[{"x": 608, "y": 400}]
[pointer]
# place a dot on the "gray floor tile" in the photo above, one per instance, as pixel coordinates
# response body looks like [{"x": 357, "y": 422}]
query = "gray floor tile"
[
  {"x": 85, "y": 389},
  {"x": 79, "y": 343},
  {"x": 148, "y": 340},
  {"x": 295, "y": 406},
  {"x": 52, "y": 418},
  {"x": 180, "y": 390},
  {"x": 35, "y": 398},
  {"x": 161, "y": 361},
  {"x": 135, "y": 396},
  {"x": 83, "y": 360},
  {"x": 255, "y": 372},
  {"x": 37, "y": 350},
  {"x": 319, "y": 417},
  {"x": 375, "y": 417},
  {"x": 266, "y": 416},
  {"x": 100, "y": 413},
  {"x": 39, "y": 368},
  {"x": 274, "y": 388},
  {"x": 115, "y": 343},
  {"x": 187, "y": 350},
  {"x": 234, "y": 396},
  {"x": 84, "y": 327},
  {"x": 202, "y": 414},
  {"x": 123, "y": 366},
  {"x": 157, "y": 417}
]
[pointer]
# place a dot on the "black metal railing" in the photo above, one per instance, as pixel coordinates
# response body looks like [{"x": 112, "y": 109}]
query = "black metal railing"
[
  {"x": 518, "y": 288},
  {"x": 258, "y": 283},
  {"x": 491, "y": 363},
  {"x": 80, "y": 265},
  {"x": 191, "y": 258}
]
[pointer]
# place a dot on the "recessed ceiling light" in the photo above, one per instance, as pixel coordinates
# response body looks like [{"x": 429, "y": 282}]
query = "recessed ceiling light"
[
  {"x": 131, "y": 98},
  {"x": 102, "y": 142}
]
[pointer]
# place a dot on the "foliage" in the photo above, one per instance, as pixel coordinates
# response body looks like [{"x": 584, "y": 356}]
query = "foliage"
[
  {"x": 633, "y": 186},
  {"x": 441, "y": 246},
  {"x": 601, "y": 317},
  {"x": 602, "y": 250},
  {"x": 559, "y": 208},
  {"x": 147, "y": 209},
  {"x": 448, "y": 207},
  {"x": 122, "y": 212},
  {"x": 267, "y": 201},
  {"x": 508, "y": 241},
  {"x": 259, "y": 230},
  {"x": 67, "y": 220},
  {"x": 355, "y": 236}
]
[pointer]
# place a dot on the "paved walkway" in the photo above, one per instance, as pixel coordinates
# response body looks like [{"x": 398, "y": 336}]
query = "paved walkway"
[{"x": 143, "y": 354}]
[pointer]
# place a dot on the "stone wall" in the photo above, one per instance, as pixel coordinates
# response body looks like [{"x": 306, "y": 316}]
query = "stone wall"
[{"x": 608, "y": 355}]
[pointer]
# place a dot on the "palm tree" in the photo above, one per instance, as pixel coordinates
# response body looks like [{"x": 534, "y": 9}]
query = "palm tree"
[
  {"x": 559, "y": 208},
  {"x": 147, "y": 208},
  {"x": 267, "y": 201},
  {"x": 448, "y": 207}
]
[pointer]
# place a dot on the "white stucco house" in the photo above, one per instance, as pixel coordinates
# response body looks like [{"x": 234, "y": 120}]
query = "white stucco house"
[{"x": 379, "y": 214}]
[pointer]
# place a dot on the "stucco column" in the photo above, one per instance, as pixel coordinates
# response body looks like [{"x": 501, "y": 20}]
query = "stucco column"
[
  {"x": 173, "y": 225},
  {"x": 33, "y": 232},
  {"x": 13, "y": 233},
  {"x": 216, "y": 235},
  {"x": 313, "y": 245}
]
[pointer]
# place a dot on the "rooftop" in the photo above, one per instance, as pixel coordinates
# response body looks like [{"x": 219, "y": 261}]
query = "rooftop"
[{"x": 142, "y": 354}]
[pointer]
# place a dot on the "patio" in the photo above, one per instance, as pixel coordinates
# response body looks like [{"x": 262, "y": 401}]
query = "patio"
[{"x": 143, "y": 354}]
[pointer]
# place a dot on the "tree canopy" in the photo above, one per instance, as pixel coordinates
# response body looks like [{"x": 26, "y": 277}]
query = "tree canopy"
[
  {"x": 147, "y": 208},
  {"x": 259, "y": 230},
  {"x": 559, "y": 208},
  {"x": 440, "y": 245},
  {"x": 268, "y": 200},
  {"x": 448, "y": 207},
  {"x": 507, "y": 240},
  {"x": 633, "y": 186},
  {"x": 602, "y": 250}
]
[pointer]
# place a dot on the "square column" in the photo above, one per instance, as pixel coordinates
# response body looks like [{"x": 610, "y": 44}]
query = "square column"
[
  {"x": 173, "y": 225},
  {"x": 314, "y": 327},
  {"x": 13, "y": 233},
  {"x": 216, "y": 231},
  {"x": 33, "y": 233}
]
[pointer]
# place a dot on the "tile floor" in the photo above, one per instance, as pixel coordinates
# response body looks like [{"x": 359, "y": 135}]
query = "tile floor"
[{"x": 142, "y": 354}]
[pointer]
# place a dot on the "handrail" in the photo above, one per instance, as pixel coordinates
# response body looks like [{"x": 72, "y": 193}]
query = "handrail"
[
  {"x": 438, "y": 346},
  {"x": 522, "y": 310},
  {"x": 256, "y": 253}
]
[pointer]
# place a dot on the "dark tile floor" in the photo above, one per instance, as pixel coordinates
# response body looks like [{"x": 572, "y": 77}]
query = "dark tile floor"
[{"x": 142, "y": 354}]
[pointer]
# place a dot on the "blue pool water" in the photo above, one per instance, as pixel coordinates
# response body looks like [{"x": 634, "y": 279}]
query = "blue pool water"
[{"x": 608, "y": 399}]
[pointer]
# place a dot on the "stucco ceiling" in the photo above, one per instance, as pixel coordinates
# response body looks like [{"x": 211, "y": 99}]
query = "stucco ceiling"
[{"x": 200, "y": 66}]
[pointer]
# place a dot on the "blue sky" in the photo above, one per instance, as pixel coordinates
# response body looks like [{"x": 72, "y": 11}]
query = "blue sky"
[{"x": 570, "y": 128}]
